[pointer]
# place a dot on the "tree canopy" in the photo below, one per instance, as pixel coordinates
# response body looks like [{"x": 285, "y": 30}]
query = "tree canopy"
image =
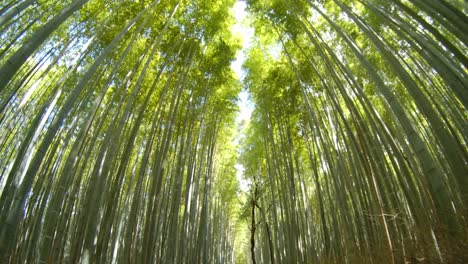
[{"x": 119, "y": 141}]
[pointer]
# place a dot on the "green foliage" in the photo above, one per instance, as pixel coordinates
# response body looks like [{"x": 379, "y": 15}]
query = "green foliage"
[
  {"x": 118, "y": 140},
  {"x": 332, "y": 132}
]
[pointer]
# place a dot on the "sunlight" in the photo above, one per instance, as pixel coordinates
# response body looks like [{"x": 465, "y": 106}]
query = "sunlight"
[
  {"x": 246, "y": 33},
  {"x": 242, "y": 30}
]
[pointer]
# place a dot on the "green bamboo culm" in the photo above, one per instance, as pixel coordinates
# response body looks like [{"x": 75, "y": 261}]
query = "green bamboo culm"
[{"x": 120, "y": 140}]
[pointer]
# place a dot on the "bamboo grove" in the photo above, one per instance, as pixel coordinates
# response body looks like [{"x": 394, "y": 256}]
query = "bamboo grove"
[
  {"x": 117, "y": 132},
  {"x": 358, "y": 145},
  {"x": 111, "y": 130}
]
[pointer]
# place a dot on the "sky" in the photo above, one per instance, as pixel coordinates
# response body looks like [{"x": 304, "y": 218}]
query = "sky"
[
  {"x": 246, "y": 33},
  {"x": 242, "y": 29}
]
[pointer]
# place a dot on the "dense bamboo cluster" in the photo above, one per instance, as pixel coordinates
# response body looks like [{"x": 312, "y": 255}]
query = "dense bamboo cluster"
[
  {"x": 359, "y": 138},
  {"x": 117, "y": 127},
  {"x": 111, "y": 122}
]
